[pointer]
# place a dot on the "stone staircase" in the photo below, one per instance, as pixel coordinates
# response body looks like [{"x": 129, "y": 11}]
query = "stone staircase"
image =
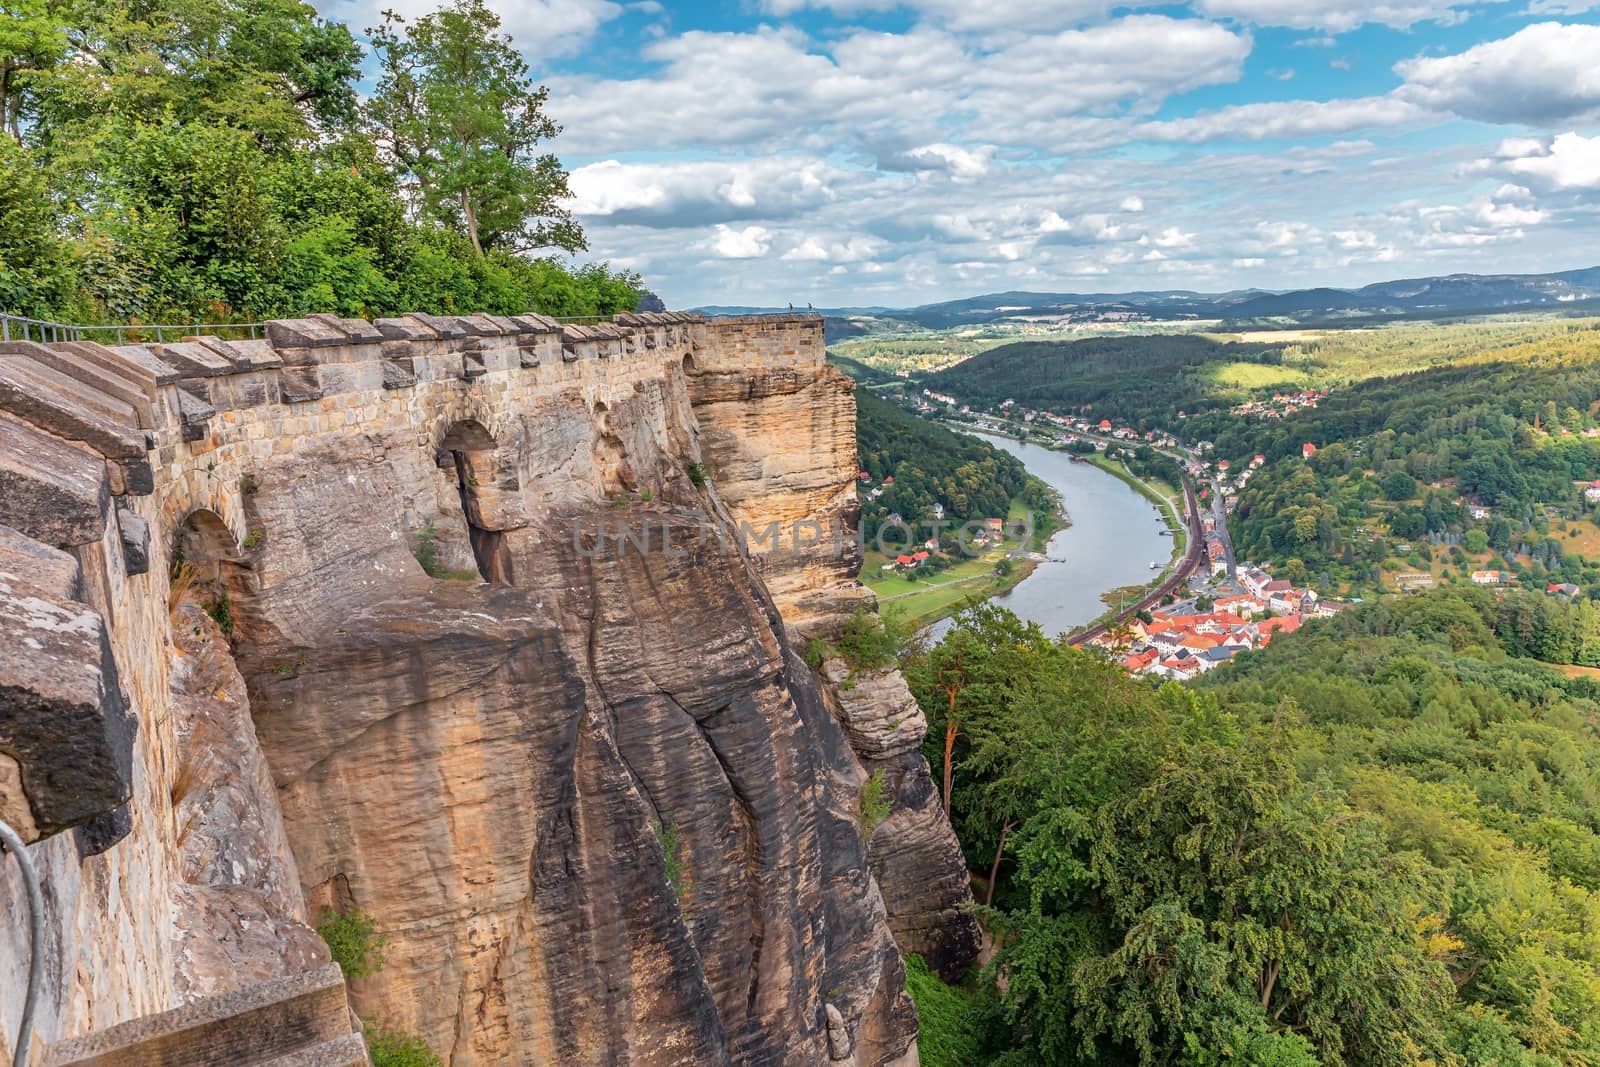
[{"x": 299, "y": 1021}]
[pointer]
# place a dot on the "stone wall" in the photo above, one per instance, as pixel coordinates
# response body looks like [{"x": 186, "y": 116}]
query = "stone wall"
[{"x": 489, "y": 767}]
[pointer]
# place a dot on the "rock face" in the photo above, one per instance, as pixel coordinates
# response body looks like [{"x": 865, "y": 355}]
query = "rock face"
[{"x": 464, "y": 635}]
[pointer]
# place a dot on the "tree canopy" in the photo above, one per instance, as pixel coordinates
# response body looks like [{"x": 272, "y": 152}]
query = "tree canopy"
[
  {"x": 1374, "y": 842},
  {"x": 209, "y": 160}
]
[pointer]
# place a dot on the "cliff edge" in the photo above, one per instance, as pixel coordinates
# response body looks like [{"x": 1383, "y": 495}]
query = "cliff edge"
[{"x": 485, "y": 627}]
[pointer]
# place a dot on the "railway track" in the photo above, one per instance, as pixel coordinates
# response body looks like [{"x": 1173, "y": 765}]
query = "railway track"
[{"x": 1175, "y": 581}]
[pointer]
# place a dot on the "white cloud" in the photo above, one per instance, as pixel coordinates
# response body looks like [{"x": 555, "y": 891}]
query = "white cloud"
[
  {"x": 961, "y": 164},
  {"x": 537, "y": 27},
  {"x": 1274, "y": 120},
  {"x": 696, "y": 193},
  {"x": 1562, "y": 7},
  {"x": 1568, "y": 161},
  {"x": 814, "y": 249},
  {"x": 896, "y": 94},
  {"x": 1544, "y": 73},
  {"x": 1336, "y": 16},
  {"x": 748, "y": 243},
  {"x": 1132, "y": 203}
]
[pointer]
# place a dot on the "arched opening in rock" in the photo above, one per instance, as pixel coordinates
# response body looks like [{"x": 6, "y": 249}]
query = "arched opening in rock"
[
  {"x": 467, "y": 455},
  {"x": 688, "y": 364},
  {"x": 207, "y": 568}
]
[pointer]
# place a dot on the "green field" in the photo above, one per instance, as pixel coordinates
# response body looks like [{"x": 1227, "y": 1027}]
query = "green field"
[{"x": 920, "y": 602}]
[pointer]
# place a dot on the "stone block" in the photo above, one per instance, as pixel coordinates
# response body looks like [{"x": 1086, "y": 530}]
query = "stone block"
[
  {"x": 304, "y": 333},
  {"x": 51, "y": 491},
  {"x": 135, "y": 535},
  {"x": 254, "y": 1025},
  {"x": 63, "y": 722}
]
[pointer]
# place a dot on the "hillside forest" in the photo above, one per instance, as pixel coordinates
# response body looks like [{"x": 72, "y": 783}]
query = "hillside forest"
[
  {"x": 212, "y": 160},
  {"x": 1373, "y": 843},
  {"x": 964, "y": 475}
]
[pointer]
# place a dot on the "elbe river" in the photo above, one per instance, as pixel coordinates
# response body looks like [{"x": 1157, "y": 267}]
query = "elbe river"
[{"x": 1114, "y": 537}]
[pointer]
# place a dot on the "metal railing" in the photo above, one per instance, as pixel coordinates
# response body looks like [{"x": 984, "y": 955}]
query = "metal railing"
[
  {"x": 22, "y": 328},
  {"x": 12, "y": 843}
]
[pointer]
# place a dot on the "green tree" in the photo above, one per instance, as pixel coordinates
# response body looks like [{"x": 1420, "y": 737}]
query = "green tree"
[
  {"x": 31, "y": 39},
  {"x": 37, "y": 274},
  {"x": 1398, "y": 485},
  {"x": 463, "y": 120}
]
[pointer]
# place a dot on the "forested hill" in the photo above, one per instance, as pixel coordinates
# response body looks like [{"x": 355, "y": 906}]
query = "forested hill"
[
  {"x": 930, "y": 464},
  {"x": 1150, "y": 377},
  {"x": 1375, "y": 843},
  {"x": 183, "y": 161}
]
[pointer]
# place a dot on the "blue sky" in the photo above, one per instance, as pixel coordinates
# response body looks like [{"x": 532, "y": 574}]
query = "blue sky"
[{"x": 868, "y": 152}]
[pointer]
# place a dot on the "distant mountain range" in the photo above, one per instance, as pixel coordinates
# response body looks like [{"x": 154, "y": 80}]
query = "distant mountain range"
[{"x": 1451, "y": 294}]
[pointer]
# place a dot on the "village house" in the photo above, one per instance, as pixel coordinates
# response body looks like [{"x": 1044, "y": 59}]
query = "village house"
[
  {"x": 1591, "y": 492},
  {"x": 1488, "y": 577}
]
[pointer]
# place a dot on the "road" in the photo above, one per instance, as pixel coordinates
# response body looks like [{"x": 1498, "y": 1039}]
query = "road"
[{"x": 1219, "y": 510}]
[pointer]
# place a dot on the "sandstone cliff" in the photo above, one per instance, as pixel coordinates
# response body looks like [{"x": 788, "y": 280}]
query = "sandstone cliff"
[{"x": 599, "y": 808}]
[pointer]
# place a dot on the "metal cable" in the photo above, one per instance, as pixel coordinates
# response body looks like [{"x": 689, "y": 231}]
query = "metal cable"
[{"x": 30, "y": 880}]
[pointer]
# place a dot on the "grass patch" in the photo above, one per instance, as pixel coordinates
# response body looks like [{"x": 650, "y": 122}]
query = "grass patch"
[
  {"x": 396, "y": 1048},
  {"x": 667, "y": 835},
  {"x": 1254, "y": 376}
]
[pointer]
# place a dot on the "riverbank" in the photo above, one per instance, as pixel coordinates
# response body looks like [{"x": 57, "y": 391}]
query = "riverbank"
[
  {"x": 1163, "y": 502},
  {"x": 919, "y": 602}
]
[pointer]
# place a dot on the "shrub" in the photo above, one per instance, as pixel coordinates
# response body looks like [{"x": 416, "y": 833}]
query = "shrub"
[
  {"x": 817, "y": 653},
  {"x": 952, "y": 1018},
  {"x": 428, "y": 551},
  {"x": 221, "y": 612},
  {"x": 697, "y": 474},
  {"x": 396, "y": 1048},
  {"x": 353, "y": 941},
  {"x": 866, "y": 643},
  {"x": 875, "y": 803}
]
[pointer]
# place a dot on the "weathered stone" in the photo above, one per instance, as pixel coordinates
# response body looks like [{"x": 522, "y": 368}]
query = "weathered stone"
[
  {"x": 277, "y": 1017},
  {"x": 135, "y": 536},
  {"x": 52, "y": 491},
  {"x": 62, "y": 718},
  {"x": 101, "y": 832}
]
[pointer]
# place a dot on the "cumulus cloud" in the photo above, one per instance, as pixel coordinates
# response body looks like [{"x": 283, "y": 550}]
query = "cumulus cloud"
[
  {"x": 1541, "y": 74},
  {"x": 775, "y": 86},
  {"x": 697, "y": 193},
  {"x": 961, "y": 164},
  {"x": 748, "y": 243},
  {"x": 851, "y": 250},
  {"x": 1568, "y": 161}
]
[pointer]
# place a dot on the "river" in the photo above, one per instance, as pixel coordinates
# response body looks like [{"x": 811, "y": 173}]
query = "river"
[{"x": 1114, "y": 537}]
